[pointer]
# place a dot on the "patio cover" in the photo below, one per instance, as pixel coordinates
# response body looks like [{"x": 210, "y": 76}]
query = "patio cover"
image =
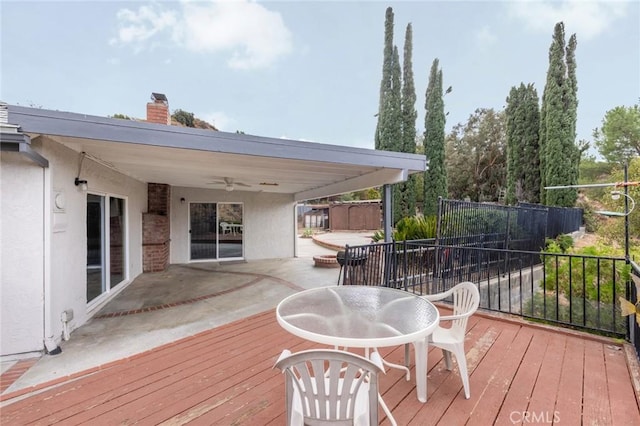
[{"x": 182, "y": 156}]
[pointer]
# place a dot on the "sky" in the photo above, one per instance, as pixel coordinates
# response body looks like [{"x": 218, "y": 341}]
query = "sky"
[{"x": 306, "y": 70}]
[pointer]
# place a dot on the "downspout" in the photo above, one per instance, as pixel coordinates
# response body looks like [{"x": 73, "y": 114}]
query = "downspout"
[{"x": 50, "y": 345}]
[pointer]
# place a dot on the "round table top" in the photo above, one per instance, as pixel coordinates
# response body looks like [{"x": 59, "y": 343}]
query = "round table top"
[{"x": 358, "y": 316}]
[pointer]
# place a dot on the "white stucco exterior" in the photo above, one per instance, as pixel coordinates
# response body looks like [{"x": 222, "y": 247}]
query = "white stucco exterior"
[
  {"x": 44, "y": 247},
  {"x": 22, "y": 254},
  {"x": 44, "y": 243},
  {"x": 268, "y": 221},
  {"x": 43, "y": 214}
]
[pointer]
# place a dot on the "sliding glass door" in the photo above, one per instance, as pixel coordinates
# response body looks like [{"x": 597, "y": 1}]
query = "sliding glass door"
[
  {"x": 216, "y": 231},
  {"x": 106, "y": 249}
]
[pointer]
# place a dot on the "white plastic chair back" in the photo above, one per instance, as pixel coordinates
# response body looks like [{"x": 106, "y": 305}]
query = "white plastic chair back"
[
  {"x": 466, "y": 299},
  {"x": 328, "y": 386}
]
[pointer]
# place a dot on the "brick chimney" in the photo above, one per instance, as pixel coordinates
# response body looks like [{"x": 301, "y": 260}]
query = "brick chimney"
[{"x": 158, "y": 109}]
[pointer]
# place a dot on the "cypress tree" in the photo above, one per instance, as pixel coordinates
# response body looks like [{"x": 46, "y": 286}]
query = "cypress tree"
[
  {"x": 393, "y": 130},
  {"x": 405, "y": 193},
  {"x": 530, "y": 111},
  {"x": 542, "y": 143},
  {"x": 514, "y": 156},
  {"x": 523, "y": 164},
  {"x": 560, "y": 156},
  {"x": 435, "y": 178},
  {"x": 572, "y": 106},
  {"x": 386, "y": 84}
]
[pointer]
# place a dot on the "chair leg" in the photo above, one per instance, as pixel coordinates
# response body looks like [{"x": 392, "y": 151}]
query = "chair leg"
[
  {"x": 461, "y": 359},
  {"x": 447, "y": 359}
]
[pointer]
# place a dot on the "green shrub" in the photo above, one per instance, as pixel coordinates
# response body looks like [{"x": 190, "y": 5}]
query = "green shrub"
[
  {"x": 415, "y": 227},
  {"x": 591, "y": 314},
  {"x": 561, "y": 244},
  {"x": 593, "y": 278}
]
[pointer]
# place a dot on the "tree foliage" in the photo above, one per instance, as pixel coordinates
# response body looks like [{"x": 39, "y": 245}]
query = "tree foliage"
[
  {"x": 188, "y": 119},
  {"x": 395, "y": 130},
  {"x": 618, "y": 140},
  {"x": 435, "y": 177},
  {"x": 523, "y": 150},
  {"x": 404, "y": 204},
  {"x": 476, "y": 159},
  {"x": 560, "y": 157},
  {"x": 386, "y": 84},
  {"x": 183, "y": 117},
  {"x": 121, "y": 116}
]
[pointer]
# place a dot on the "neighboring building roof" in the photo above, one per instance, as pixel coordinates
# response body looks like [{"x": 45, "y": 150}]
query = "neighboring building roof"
[{"x": 183, "y": 156}]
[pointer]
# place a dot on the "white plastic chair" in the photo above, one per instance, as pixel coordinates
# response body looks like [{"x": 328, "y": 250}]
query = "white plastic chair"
[
  {"x": 466, "y": 299},
  {"x": 225, "y": 227},
  {"x": 346, "y": 394}
]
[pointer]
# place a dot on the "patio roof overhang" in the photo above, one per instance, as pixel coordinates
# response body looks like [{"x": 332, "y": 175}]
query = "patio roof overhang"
[{"x": 181, "y": 156}]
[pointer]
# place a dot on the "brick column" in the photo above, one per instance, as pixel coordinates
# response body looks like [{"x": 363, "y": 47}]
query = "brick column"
[{"x": 156, "y": 228}]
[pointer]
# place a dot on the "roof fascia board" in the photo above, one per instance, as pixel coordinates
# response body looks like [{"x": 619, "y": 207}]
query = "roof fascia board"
[
  {"x": 369, "y": 180},
  {"x": 19, "y": 142},
  {"x": 66, "y": 124}
]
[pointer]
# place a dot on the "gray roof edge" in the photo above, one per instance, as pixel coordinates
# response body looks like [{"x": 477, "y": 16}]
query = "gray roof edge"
[{"x": 69, "y": 124}]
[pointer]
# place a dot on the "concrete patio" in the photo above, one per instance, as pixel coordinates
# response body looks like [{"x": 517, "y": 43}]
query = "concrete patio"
[{"x": 160, "y": 308}]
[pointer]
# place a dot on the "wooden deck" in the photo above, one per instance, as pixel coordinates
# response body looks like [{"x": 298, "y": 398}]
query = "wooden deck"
[{"x": 519, "y": 374}]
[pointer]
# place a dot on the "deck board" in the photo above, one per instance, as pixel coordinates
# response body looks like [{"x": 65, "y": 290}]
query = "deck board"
[
  {"x": 596, "y": 395},
  {"x": 487, "y": 406},
  {"x": 569, "y": 401},
  {"x": 545, "y": 393},
  {"x": 225, "y": 376}
]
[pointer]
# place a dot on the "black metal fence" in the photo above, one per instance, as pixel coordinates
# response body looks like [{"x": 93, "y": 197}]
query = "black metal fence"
[
  {"x": 522, "y": 227},
  {"x": 570, "y": 290},
  {"x": 560, "y": 220}
]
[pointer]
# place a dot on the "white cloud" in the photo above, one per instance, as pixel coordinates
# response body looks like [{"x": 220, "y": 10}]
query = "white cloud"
[
  {"x": 253, "y": 36},
  {"x": 138, "y": 27},
  {"x": 485, "y": 37},
  {"x": 587, "y": 19}
]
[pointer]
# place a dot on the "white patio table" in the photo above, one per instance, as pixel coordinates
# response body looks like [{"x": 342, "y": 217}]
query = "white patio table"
[{"x": 363, "y": 317}]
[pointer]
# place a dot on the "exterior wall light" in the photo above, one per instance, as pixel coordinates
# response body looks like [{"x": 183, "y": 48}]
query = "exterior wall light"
[{"x": 81, "y": 183}]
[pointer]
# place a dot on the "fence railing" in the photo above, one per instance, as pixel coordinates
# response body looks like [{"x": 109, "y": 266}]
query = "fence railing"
[
  {"x": 570, "y": 290},
  {"x": 634, "y": 329},
  {"x": 521, "y": 227}
]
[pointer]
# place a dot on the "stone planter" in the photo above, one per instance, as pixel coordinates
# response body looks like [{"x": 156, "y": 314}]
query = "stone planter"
[{"x": 326, "y": 261}]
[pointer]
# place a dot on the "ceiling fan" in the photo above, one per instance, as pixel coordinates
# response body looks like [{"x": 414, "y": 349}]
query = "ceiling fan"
[{"x": 229, "y": 183}]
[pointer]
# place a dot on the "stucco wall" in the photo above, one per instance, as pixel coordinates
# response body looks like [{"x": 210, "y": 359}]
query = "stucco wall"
[
  {"x": 44, "y": 247},
  {"x": 23, "y": 250},
  {"x": 268, "y": 229},
  {"x": 69, "y": 248},
  {"x": 21, "y": 254}
]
